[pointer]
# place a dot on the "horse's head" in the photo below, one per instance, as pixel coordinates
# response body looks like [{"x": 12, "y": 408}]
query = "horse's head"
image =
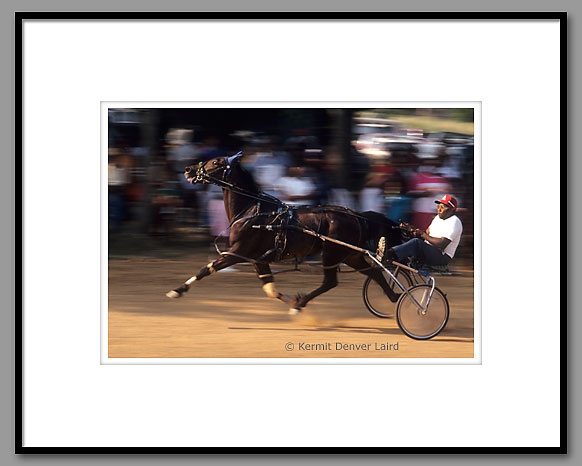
[{"x": 216, "y": 169}]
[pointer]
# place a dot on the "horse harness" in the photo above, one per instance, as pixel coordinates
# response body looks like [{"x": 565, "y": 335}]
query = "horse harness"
[{"x": 285, "y": 218}]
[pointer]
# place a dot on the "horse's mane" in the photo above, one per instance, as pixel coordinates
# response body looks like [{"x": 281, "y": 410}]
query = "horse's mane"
[{"x": 246, "y": 181}]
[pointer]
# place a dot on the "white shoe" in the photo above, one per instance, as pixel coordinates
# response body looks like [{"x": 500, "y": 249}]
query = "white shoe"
[{"x": 381, "y": 248}]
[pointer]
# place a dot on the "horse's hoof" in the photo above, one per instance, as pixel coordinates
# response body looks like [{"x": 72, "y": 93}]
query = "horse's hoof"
[
  {"x": 293, "y": 311},
  {"x": 173, "y": 294}
]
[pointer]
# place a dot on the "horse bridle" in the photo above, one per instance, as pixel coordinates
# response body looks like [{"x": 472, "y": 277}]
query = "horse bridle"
[{"x": 202, "y": 174}]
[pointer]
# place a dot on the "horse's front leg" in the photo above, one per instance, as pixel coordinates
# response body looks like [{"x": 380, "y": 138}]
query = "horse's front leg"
[
  {"x": 221, "y": 263},
  {"x": 266, "y": 276}
]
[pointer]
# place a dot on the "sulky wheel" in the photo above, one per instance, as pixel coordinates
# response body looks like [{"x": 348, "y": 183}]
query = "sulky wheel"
[
  {"x": 411, "y": 319},
  {"x": 376, "y": 300}
]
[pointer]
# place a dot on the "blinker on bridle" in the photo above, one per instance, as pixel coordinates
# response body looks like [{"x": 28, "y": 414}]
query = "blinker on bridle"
[{"x": 228, "y": 161}]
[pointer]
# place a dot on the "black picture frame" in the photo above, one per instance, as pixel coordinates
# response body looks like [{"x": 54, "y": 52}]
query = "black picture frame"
[{"x": 20, "y": 17}]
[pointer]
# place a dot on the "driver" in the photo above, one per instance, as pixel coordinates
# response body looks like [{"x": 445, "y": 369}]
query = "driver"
[{"x": 435, "y": 246}]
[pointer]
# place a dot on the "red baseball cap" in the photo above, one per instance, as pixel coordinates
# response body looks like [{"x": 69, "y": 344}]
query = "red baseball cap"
[{"x": 448, "y": 200}]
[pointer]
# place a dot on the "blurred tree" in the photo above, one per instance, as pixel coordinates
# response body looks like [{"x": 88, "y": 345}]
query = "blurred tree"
[
  {"x": 341, "y": 135},
  {"x": 463, "y": 114},
  {"x": 293, "y": 118}
]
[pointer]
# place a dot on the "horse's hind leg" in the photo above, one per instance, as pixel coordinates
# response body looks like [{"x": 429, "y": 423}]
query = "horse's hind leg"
[
  {"x": 221, "y": 263},
  {"x": 266, "y": 276}
]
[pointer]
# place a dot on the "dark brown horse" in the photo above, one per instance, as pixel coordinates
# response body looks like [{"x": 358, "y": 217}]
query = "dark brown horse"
[{"x": 250, "y": 212}]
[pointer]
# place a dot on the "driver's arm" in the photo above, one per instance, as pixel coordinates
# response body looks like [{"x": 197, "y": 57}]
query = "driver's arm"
[{"x": 440, "y": 243}]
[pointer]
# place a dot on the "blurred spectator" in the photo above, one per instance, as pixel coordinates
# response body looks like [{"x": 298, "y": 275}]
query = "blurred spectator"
[
  {"x": 431, "y": 148},
  {"x": 296, "y": 188},
  {"x": 182, "y": 155},
  {"x": 383, "y": 165},
  {"x": 165, "y": 201},
  {"x": 371, "y": 195},
  {"x": 406, "y": 164},
  {"x": 453, "y": 162},
  {"x": 424, "y": 187},
  {"x": 397, "y": 205},
  {"x": 192, "y": 196},
  {"x": 360, "y": 166},
  {"x": 138, "y": 153},
  {"x": 268, "y": 167},
  {"x": 209, "y": 149},
  {"x": 118, "y": 178},
  {"x": 299, "y": 144},
  {"x": 317, "y": 170},
  {"x": 454, "y": 168},
  {"x": 341, "y": 197},
  {"x": 217, "y": 219}
]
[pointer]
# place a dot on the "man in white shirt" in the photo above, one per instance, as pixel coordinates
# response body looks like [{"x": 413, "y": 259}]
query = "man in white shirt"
[
  {"x": 436, "y": 245},
  {"x": 296, "y": 189}
]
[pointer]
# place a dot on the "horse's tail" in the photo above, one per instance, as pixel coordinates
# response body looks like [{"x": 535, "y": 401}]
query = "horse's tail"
[{"x": 379, "y": 225}]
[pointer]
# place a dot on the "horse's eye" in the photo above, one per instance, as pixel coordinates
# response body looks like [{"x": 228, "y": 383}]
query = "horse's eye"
[{"x": 215, "y": 163}]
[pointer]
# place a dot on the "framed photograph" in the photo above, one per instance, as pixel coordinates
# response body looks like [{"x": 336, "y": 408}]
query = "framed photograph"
[
  {"x": 236, "y": 239},
  {"x": 297, "y": 196}
]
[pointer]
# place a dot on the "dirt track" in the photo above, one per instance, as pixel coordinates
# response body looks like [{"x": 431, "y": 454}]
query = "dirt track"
[{"x": 228, "y": 315}]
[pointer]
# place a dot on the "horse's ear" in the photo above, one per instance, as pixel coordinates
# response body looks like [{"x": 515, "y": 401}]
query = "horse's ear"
[{"x": 235, "y": 158}]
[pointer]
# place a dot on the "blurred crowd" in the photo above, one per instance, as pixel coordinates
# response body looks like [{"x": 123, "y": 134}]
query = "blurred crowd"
[{"x": 149, "y": 191}]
